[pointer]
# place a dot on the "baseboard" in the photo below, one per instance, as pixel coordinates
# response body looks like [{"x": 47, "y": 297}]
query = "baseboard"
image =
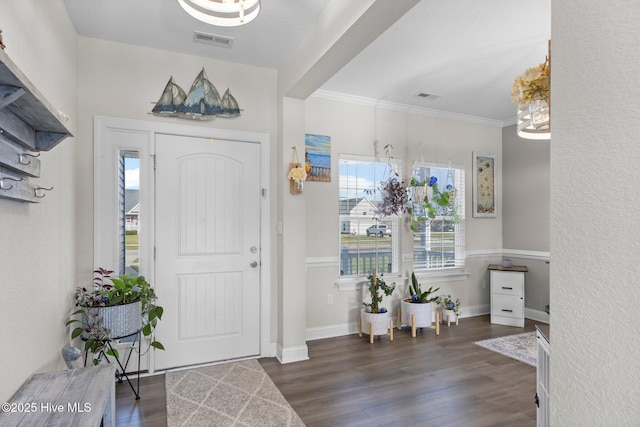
[
  {"x": 476, "y": 310},
  {"x": 537, "y": 315},
  {"x": 270, "y": 351},
  {"x": 292, "y": 354},
  {"x": 333, "y": 331}
]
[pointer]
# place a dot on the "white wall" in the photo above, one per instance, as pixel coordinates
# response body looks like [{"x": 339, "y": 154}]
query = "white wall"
[
  {"x": 353, "y": 129},
  {"x": 120, "y": 80},
  {"x": 38, "y": 257},
  {"x": 594, "y": 222}
]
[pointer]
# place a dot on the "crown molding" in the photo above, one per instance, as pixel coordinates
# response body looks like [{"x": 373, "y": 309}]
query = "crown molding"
[{"x": 395, "y": 106}]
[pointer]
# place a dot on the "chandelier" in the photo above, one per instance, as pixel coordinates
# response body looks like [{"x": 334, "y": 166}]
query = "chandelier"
[
  {"x": 531, "y": 92},
  {"x": 222, "y": 13}
]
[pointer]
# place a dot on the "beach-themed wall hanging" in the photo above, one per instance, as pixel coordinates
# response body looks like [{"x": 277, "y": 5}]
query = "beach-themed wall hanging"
[
  {"x": 203, "y": 101},
  {"x": 317, "y": 157}
]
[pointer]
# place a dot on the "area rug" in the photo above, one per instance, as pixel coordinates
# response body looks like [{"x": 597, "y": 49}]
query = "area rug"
[
  {"x": 230, "y": 394},
  {"x": 521, "y": 347}
]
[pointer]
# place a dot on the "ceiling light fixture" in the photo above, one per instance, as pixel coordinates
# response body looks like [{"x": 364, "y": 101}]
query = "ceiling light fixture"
[
  {"x": 222, "y": 13},
  {"x": 531, "y": 92}
]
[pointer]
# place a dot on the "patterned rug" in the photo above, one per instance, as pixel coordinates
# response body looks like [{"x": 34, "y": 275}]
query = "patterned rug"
[
  {"x": 521, "y": 347},
  {"x": 229, "y": 394}
]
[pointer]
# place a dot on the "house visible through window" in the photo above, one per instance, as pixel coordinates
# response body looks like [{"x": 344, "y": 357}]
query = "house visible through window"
[
  {"x": 129, "y": 195},
  {"x": 439, "y": 243},
  {"x": 367, "y": 241}
]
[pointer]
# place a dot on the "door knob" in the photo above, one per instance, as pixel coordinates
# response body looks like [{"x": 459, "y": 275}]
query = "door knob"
[{"x": 254, "y": 264}]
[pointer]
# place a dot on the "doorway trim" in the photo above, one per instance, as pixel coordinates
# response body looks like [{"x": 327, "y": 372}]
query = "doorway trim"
[{"x": 139, "y": 135}]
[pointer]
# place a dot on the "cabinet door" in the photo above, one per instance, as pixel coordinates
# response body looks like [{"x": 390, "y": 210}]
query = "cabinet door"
[{"x": 507, "y": 306}]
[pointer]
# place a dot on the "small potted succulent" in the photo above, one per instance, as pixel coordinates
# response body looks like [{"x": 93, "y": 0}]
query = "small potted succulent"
[
  {"x": 113, "y": 308},
  {"x": 374, "y": 320},
  {"x": 417, "y": 309},
  {"x": 450, "y": 308}
]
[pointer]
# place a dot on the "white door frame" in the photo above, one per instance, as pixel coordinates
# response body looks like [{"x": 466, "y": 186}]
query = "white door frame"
[{"x": 114, "y": 134}]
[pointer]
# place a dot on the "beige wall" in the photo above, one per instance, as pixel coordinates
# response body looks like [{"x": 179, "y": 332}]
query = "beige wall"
[
  {"x": 525, "y": 166},
  {"x": 353, "y": 128},
  {"x": 525, "y": 223},
  {"x": 594, "y": 222},
  {"x": 121, "y": 80},
  {"x": 37, "y": 255}
]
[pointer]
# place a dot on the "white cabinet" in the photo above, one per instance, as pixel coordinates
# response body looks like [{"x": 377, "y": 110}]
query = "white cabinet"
[{"x": 507, "y": 295}]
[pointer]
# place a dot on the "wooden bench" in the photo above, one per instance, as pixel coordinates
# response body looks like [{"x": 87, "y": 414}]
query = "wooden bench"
[{"x": 75, "y": 397}]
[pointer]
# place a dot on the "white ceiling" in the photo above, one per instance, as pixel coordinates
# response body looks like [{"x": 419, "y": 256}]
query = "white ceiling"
[{"x": 466, "y": 52}]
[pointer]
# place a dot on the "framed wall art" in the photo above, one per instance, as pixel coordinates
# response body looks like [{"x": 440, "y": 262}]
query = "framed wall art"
[
  {"x": 484, "y": 201},
  {"x": 317, "y": 157}
]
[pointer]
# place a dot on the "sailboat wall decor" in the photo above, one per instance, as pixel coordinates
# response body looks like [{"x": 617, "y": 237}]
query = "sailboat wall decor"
[
  {"x": 203, "y": 101},
  {"x": 229, "y": 105},
  {"x": 171, "y": 99}
]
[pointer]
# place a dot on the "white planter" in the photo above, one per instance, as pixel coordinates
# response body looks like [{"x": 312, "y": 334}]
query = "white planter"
[
  {"x": 122, "y": 320},
  {"x": 449, "y": 316},
  {"x": 423, "y": 313},
  {"x": 375, "y": 324}
]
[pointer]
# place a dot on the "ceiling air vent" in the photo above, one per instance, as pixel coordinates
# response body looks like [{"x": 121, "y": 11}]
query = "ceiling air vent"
[
  {"x": 429, "y": 96},
  {"x": 213, "y": 39}
]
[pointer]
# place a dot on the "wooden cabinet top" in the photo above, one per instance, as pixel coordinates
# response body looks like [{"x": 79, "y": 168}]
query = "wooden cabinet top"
[{"x": 516, "y": 268}]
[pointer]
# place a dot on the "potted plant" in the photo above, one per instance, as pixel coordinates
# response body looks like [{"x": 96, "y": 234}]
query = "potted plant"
[
  {"x": 450, "y": 308},
  {"x": 427, "y": 201},
  {"x": 375, "y": 318},
  {"x": 417, "y": 310},
  {"x": 113, "y": 308},
  {"x": 395, "y": 198}
]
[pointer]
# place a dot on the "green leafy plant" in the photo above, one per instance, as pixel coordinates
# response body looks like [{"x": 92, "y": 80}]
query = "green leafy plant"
[
  {"x": 448, "y": 303},
  {"x": 377, "y": 288},
  {"x": 416, "y": 294},
  {"x": 425, "y": 208},
  {"x": 110, "y": 291}
]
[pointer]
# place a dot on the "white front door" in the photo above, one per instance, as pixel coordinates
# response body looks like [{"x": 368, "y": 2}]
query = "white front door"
[{"x": 207, "y": 249}]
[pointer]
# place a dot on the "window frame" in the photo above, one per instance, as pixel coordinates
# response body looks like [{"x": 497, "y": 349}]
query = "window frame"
[
  {"x": 459, "y": 228},
  {"x": 112, "y": 137},
  {"x": 393, "y": 223}
]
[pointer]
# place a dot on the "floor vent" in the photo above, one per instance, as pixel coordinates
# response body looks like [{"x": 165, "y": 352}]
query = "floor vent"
[{"x": 213, "y": 39}]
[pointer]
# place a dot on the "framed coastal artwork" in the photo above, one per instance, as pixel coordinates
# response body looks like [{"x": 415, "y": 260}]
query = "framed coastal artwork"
[
  {"x": 317, "y": 157},
  {"x": 484, "y": 201}
]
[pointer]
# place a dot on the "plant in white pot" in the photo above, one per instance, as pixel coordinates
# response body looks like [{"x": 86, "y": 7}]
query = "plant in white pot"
[
  {"x": 450, "y": 308},
  {"x": 374, "y": 320},
  {"x": 114, "y": 307},
  {"x": 417, "y": 310}
]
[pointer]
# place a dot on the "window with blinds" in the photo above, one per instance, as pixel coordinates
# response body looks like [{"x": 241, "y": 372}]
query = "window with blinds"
[
  {"x": 440, "y": 243},
  {"x": 367, "y": 240}
]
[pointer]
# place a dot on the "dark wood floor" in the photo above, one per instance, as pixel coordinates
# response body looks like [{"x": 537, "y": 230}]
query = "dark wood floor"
[
  {"x": 428, "y": 380},
  {"x": 150, "y": 410}
]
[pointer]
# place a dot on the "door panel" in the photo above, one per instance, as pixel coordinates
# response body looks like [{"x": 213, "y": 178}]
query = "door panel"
[{"x": 207, "y": 222}]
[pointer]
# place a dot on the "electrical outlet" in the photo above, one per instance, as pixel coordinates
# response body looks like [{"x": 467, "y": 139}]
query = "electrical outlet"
[{"x": 329, "y": 299}]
